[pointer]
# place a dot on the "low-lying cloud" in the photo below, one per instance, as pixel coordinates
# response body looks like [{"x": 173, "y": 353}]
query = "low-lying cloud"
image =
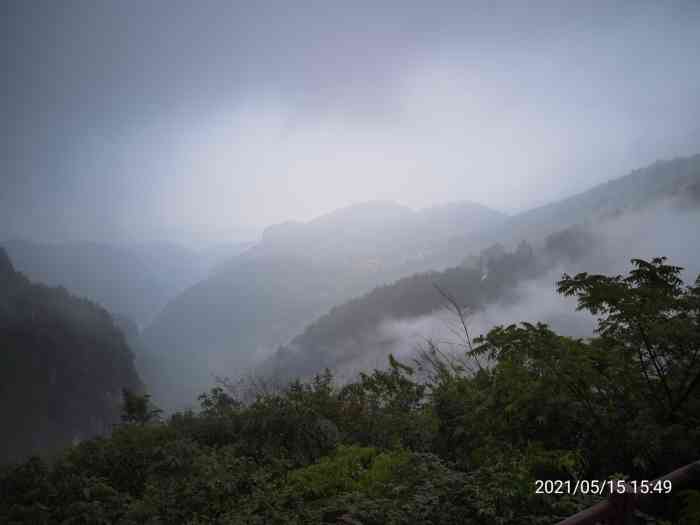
[{"x": 664, "y": 230}]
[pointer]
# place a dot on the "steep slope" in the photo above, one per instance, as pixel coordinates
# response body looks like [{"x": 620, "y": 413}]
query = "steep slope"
[
  {"x": 267, "y": 294},
  {"x": 678, "y": 178},
  {"x": 62, "y": 367}
]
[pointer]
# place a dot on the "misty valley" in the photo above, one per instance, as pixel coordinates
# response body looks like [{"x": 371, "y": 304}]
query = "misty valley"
[
  {"x": 350, "y": 263},
  {"x": 374, "y": 364}
]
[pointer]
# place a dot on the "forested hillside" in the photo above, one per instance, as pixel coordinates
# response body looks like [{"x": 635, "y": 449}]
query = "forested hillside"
[
  {"x": 447, "y": 440},
  {"x": 63, "y": 365}
]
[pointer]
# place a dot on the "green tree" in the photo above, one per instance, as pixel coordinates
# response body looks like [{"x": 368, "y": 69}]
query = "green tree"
[
  {"x": 653, "y": 319},
  {"x": 138, "y": 408}
]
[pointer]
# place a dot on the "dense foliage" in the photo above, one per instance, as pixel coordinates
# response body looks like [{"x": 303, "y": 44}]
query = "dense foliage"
[
  {"x": 63, "y": 365},
  {"x": 449, "y": 439}
]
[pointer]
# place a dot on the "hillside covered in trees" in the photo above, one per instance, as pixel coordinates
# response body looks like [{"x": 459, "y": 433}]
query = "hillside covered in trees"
[
  {"x": 63, "y": 365},
  {"x": 443, "y": 439}
]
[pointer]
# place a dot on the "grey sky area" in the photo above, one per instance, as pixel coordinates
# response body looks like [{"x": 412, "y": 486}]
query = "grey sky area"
[{"x": 200, "y": 121}]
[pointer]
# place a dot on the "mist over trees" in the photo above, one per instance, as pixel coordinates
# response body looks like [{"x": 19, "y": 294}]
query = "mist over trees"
[
  {"x": 228, "y": 324},
  {"x": 266, "y": 295},
  {"x": 351, "y": 421},
  {"x": 634, "y": 212},
  {"x": 439, "y": 440},
  {"x": 349, "y": 263},
  {"x": 255, "y": 313}
]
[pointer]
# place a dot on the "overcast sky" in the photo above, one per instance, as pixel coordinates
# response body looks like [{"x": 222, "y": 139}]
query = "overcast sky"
[{"x": 202, "y": 120}]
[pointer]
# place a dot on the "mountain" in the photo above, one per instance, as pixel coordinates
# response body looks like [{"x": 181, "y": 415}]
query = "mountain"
[
  {"x": 655, "y": 209},
  {"x": 265, "y": 295},
  {"x": 134, "y": 280},
  {"x": 63, "y": 366},
  {"x": 670, "y": 179},
  {"x": 381, "y": 233}
]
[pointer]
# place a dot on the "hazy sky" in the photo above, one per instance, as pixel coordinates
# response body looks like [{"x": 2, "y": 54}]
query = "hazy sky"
[{"x": 210, "y": 120}]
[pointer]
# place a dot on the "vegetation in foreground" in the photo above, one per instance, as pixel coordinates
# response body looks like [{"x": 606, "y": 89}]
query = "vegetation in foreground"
[{"x": 446, "y": 440}]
